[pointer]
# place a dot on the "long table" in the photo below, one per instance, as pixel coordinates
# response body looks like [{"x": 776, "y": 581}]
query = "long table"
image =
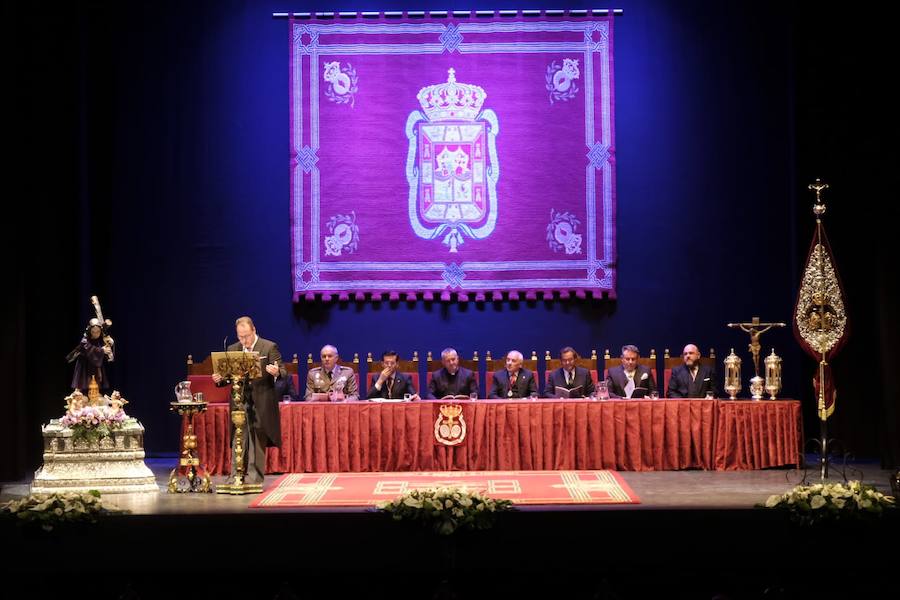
[{"x": 623, "y": 435}]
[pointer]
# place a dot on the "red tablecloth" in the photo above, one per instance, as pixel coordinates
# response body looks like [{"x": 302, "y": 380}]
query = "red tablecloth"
[
  {"x": 756, "y": 435},
  {"x": 623, "y": 435}
]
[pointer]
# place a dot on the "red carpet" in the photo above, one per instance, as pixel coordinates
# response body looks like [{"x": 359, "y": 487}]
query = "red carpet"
[{"x": 522, "y": 487}]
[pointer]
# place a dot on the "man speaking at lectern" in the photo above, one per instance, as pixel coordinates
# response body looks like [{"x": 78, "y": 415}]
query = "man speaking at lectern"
[{"x": 263, "y": 420}]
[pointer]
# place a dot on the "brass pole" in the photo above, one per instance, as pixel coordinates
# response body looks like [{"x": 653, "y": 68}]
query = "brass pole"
[{"x": 823, "y": 416}]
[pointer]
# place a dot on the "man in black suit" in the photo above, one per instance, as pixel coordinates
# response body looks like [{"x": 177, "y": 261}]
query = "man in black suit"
[
  {"x": 623, "y": 380},
  {"x": 284, "y": 386},
  {"x": 263, "y": 428},
  {"x": 451, "y": 379},
  {"x": 390, "y": 383},
  {"x": 692, "y": 379},
  {"x": 513, "y": 381},
  {"x": 569, "y": 376}
]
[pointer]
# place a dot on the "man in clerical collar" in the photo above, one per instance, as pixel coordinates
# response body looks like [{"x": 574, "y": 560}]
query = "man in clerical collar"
[
  {"x": 630, "y": 379},
  {"x": 452, "y": 379},
  {"x": 514, "y": 381},
  {"x": 692, "y": 379},
  {"x": 569, "y": 376},
  {"x": 331, "y": 377}
]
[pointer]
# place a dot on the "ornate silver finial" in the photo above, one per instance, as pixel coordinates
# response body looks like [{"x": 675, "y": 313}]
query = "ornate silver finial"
[{"x": 819, "y": 206}]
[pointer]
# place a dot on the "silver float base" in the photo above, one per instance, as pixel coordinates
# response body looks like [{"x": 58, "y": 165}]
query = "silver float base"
[{"x": 113, "y": 465}]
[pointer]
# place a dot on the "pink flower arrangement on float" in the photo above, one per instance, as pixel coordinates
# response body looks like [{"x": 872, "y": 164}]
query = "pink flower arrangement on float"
[{"x": 90, "y": 423}]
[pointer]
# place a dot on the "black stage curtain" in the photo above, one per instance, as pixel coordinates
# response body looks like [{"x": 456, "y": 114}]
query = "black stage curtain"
[{"x": 59, "y": 237}]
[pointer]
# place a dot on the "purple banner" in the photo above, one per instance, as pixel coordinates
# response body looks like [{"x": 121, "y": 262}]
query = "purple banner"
[{"x": 438, "y": 157}]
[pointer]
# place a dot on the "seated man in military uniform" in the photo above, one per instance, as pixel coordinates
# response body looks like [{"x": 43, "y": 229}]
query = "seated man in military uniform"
[{"x": 331, "y": 378}]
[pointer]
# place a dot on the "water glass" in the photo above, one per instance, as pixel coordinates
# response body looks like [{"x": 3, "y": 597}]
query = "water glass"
[
  {"x": 654, "y": 395},
  {"x": 534, "y": 396},
  {"x": 286, "y": 398},
  {"x": 406, "y": 397},
  {"x": 602, "y": 391},
  {"x": 473, "y": 396},
  {"x": 710, "y": 395}
]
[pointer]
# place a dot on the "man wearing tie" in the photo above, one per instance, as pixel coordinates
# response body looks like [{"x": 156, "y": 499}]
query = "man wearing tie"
[
  {"x": 624, "y": 379},
  {"x": 263, "y": 428},
  {"x": 692, "y": 379},
  {"x": 569, "y": 376},
  {"x": 390, "y": 383},
  {"x": 331, "y": 377},
  {"x": 513, "y": 381}
]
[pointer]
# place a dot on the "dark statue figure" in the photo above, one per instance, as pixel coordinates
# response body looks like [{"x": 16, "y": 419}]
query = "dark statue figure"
[{"x": 90, "y": 356}]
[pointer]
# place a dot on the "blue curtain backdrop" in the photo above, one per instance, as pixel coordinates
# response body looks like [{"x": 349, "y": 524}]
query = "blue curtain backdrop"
[{"x": 154, "y": 156}]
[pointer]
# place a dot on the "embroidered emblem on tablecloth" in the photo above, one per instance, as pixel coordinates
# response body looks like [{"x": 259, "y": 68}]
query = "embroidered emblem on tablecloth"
[{"x": 450, "y": 426}]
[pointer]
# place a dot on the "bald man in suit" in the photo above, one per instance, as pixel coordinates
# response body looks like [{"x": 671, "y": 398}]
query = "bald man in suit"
[{"x": 692, "y": 379}]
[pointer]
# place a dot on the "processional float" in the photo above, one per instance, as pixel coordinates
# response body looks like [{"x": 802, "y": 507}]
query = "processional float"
[{"x": 95, "y": 445}]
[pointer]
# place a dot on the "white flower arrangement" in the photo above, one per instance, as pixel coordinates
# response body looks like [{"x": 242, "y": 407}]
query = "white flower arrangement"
[
  {"x": 446, "y": 509},
  {"x": 809, "y": 504},
  {"x": 50, "y": 510}
]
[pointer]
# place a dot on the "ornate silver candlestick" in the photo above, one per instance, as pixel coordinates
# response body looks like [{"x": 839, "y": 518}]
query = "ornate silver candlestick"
[
  {"x": 732, "y": 374},
  {"x": 773, "y": 374}
]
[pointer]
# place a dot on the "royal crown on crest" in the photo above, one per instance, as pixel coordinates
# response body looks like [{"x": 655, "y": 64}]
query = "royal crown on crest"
[
  {"x": 451, "y": 101},
  {"x": 451, "y": 411}
]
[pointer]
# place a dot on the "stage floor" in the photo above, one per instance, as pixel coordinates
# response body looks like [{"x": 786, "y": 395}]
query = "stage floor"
[
  {"x": 695, "y": 535},
  {"x": 681, "y": 490}
]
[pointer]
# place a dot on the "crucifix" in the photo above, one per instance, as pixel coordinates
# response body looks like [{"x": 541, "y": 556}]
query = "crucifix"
[{"x": 755, "y": 329}]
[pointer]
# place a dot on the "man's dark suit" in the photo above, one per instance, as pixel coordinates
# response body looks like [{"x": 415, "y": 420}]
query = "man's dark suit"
[
  {"x": 284, "y": 386},
  {"x": 444, "y": 384},
  {"x": 617, "y": 380},
  {"x": 262, "y": 391},
  {"x": 263, "y": 419},
  {"x": 402, "y": 384},
  {"x": 557, "y": 378},
  {"x": 681, "y": 386},
  {"x": 525, "y": 384}
]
